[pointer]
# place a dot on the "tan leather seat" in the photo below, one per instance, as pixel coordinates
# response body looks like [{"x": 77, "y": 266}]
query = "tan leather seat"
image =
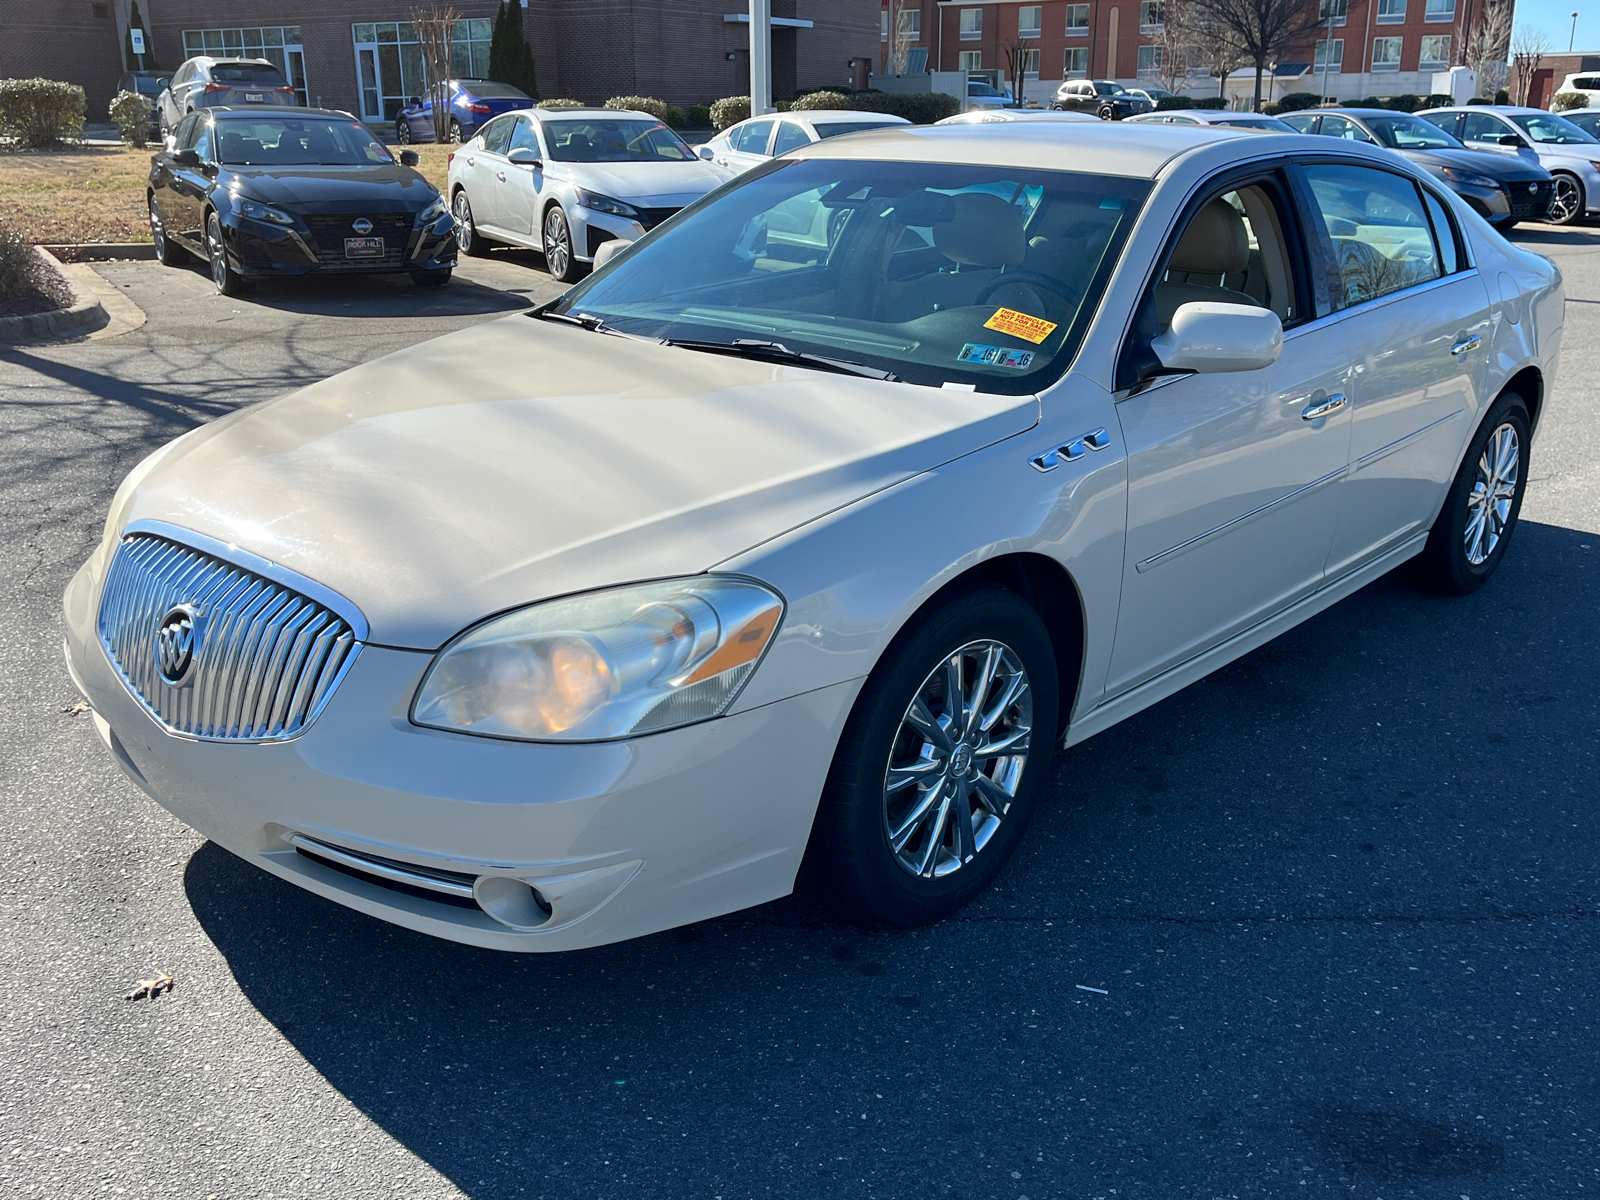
[
  {"x": 1215, "y": 245},
  {"x": 984, "y": 231}
]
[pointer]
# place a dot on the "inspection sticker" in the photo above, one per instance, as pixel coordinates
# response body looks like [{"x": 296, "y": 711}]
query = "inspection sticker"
[
  {"x": 1020, "y": 324},
  {"x": 996, "y": 356}
]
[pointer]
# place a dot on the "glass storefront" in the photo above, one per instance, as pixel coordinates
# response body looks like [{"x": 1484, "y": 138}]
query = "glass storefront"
[
  {"x": 389, "y": 63},
  {"x": 278, "y": 44}
]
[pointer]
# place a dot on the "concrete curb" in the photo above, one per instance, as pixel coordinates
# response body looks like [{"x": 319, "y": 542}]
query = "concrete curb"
[
  {"x": 83, "y": 316},
  {"x": 102, "y": 251}
]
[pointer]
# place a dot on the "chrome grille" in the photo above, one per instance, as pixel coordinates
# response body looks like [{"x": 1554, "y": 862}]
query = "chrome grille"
[{"x": 267, "y": 657}]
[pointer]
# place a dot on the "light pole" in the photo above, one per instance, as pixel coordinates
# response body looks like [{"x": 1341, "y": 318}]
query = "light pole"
[
  {"x": 1573, "y": 36},
  {"x": 760, "y": 57},
  {"x": 1327, "y": 54}
]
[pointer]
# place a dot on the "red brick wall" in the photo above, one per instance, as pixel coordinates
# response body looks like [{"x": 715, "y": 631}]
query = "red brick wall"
[{"x": 67, "y": 40}]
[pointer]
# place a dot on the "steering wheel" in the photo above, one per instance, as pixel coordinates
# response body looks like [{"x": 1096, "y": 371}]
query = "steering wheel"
[{"x": 1036, "y": 278}]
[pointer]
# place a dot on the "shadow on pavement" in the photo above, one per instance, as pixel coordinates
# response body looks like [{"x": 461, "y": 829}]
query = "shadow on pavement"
[
  {"x": 392, "y": 296},
  {"x": 1335, "y": 870}
]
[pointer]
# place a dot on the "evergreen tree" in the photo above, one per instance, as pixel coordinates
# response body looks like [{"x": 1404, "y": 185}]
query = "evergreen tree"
[
  {"x": 136, "y": 21},
  {"x": 497, "y": 48},
  {"x": 518, "y": 55}
]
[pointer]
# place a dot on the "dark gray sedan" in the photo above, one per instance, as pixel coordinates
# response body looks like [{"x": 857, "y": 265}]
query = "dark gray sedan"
[{"x": 1502, "y": 190}]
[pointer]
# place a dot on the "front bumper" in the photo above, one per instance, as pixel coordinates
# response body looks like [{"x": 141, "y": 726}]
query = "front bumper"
[
  {"x": 259, "y": 248},
  {"x": 591, "y": 228},
  {"x": 618, "y": 839}
]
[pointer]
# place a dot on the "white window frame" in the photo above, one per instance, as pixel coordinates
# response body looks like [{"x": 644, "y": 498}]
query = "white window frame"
[
  {"x": 969, "y": 60},
  {"x": 972, "y": 25},
  {"x": 1320, "y": 52},
  {"x": 1437, "y": 60},
  {"x": 1152, "y": 16},
  {"x": 1079, "y": 53},
  {"x": 1339, "y": 8},
  {"x": 911, "y": 24},
  {"x": 1434, "y": 11},
  {"x": 1400, "y": 48},
  {"x": 883, "y": 24},
  {"x": 1036, "y": 13},
  {"x": 281, "y": 45},
  {"x": 1391, "y": 12},
  {"x": 1073, "y": 12},
  {"x": 1147, "y": 62}
]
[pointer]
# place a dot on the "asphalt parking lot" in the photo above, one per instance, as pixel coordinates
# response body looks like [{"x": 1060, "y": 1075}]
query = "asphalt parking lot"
[{"x": 1340, "y": 901}]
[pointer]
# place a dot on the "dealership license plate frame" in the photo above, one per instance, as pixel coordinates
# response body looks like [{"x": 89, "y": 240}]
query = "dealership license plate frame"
[{"x": 363, "y": 247}]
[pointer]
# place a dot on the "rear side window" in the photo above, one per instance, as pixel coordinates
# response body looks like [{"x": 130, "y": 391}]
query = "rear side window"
[
  {"x": 1444, "y": 230},
  {"x": 1382, "y": 238},
  {"x": 753, "y": 137}
]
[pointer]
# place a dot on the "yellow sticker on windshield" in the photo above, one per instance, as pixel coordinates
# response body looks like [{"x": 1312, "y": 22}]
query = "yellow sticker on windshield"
[{"x": 1020, "y": 324}]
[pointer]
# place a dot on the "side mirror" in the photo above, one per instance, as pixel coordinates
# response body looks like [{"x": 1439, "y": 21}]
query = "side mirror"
[
  {"x": 1509, "y": 139},
  {"x": 415, "y": 100},
  {"x": 1209, "y": 337},
  {"x": 187, "y": 158},
  {"x": 409, "y": 158},
  {"x": 524, "y": 156},
  {"x": 607, "y": 250},
  {"x": 706, "y": 152}
]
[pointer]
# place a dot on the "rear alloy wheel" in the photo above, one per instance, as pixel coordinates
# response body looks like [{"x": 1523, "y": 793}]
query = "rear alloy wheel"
[
  {"x": 455, "y": 132},
  {"x": 467, "y": 239},
  {"x": 402, "y": 132},
  {"x": 1480, "y": 513},
  {"x": 558, "y": 257},
  {"x": 940, "y": 765},
  {"x": 229, "y": 282},
  {"x": 1566, "y": 200},
  {"x": 167, "y": 254}
]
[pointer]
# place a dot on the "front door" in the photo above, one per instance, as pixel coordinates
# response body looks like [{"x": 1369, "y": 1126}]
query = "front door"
[
  {"x": 1487, "y": 132},
  {"x": 1415, "y": 324},
  {"x": 1231, "y": 476},
  {"x": 525, "y": 185}
]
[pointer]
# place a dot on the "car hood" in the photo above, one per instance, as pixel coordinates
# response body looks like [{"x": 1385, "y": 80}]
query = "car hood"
[
  {"x": 1496, "y": 166},
  {"x": 522, "y": 459},
  {"x": 391, "y": 188},
  {"x": 650, "y": 184}
]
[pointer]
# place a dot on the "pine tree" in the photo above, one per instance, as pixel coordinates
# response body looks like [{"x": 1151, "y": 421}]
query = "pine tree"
[
  {"x": 497, "y": 47},
  {"x": 519, "y": 56},
  {"x": 136, "y": 21}
]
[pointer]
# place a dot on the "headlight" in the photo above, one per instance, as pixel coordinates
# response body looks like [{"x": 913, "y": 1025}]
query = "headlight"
[
  {"x": 606, "y": 204},
  {"x": 1469, "y": 178},
  {"x": 261, "y": 212},
  {"x": 608, "y": 664},
  {"x": 433, "y": 212}
]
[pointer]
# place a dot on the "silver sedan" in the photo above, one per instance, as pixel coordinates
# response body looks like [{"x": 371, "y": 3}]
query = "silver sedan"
[{"x": 788, "y": 547}]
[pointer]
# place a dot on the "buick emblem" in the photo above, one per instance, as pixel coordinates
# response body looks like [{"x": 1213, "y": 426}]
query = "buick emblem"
[
  {"x": 361, "y": 225},
  {"x": 178, "y": 646}
]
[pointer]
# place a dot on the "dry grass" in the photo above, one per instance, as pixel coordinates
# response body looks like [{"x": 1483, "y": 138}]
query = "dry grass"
[{"x": 96, "y": 194}]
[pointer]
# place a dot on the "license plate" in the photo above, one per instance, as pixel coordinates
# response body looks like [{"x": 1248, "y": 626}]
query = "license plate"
[
  {"x": 369, "y": 247},
  {"x": 256, "y": 97}
]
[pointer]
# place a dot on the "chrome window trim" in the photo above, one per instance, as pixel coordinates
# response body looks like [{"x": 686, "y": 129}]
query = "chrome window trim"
[{"x": 1367, "y": 306}]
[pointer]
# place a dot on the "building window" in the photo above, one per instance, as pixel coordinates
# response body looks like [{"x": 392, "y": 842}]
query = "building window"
[
  {"x": 1030, "y": 63},
  {"x": 1435, "y": 52},
  {"x": 1329, "y": 56},
  {"x": 1151, "y": 15},
  {"x": 1030, "y": 20},
  {"x": 911, "y": 24},
  {"x": 278, "y": 44},
  {"x": 971, "y": 25},
  {"x": 1149, "y": 62},
  {"x": 1077, "y": 63},
  {"x": 389, "y": 62},
  {"x": 969, "y": 60},
  {"x": 1386, "y": 53},
  {"x": 1391, "y": 12},
  {"x": 1194, "y": 61},
  {"x": 1077, "y": 20},
  {"x": 1332, "y": 8},
  {"x": 1440, "y": 10},
  {"x": 883, "y": 25}
]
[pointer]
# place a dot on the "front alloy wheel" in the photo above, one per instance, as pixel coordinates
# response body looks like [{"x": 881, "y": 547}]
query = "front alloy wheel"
[
  {"x": 467, "y": 239},
  {"x": 558, "y": 256},
  {"x": 1566, "y": 200},
  {"x": 229, "y": 282}
]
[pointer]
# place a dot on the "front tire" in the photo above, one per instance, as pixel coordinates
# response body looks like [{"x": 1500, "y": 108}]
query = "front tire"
[
  {"x": 559, "y": 259},
  {"x": 1108, "y": 112},
  {"x": 1567, "y": 200},
  {"x": 468, "y": 240},
  {"x": 1469, "y": 539},
  {"x": 229, "y": 282},
  {"x": 940, "y": 765}
]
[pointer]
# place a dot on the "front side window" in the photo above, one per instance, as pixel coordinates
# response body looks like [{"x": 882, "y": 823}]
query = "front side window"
[
  {"x": 1030, "y": 20},
  {"x": 1077, "y": 20},
  {"x": 1342, "y": 127},
  {"x": 971, "y": 23},
  {"x": 1547, "y": 129},
  {"x": 1410, "y": 133},
  {"x": 790, "y": 137},
  {"x": 1440, "y": 10},
  {"x": 298, "y": 141},
  {"x": 1391, "y": 12},
  {"x": 1232, "y": 251},
  {"x": 497, "y": 133},
  {"x": 1435, "y": 51},
  {"x": 1481, "y": 127},
  {"x": 524, "y": 137},
  {"x": 898, "y": 267},
  {"x": 1386, "y": 53},
  {"x": 1382, "y": 238},
  {"x": 1109, "y": 87},
  {"x": 1330, "y": 54},
  {"x": 617, "y": 140},
  {"x": 1077, "y": 63},
  {"x": 753, "y": 137}
]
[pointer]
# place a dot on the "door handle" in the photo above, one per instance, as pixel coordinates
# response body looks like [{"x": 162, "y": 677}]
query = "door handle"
[
  {"x": 1331, "y": 405},
  {"x": 500, "y": 175},
  {"x": 472, "y": 162},
  {"x": 1466, "y": 345}
]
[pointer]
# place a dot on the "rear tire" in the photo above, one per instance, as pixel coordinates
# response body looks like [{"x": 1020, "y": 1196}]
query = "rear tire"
[
  {"x": 167, "y": 254},
  {"x": 402, "y": 131},
  {"x": 912, "y": 825},
  {"x": 455, "y": 132},
  {"x": 1469, "y": 539},
  {"x": 1567, "y": 201}
]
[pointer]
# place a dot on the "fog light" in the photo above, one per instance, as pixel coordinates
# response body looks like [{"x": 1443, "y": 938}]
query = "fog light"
[{"x": 511, "y": 902}]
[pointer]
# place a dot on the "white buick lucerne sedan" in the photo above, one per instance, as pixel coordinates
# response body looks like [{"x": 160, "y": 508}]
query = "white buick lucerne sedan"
[
  {"x": 568, "y": 180},
  {"x": 788, "y": 546}
]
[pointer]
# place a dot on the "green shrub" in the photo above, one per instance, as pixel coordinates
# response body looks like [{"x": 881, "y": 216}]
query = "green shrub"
[
  {"x": 730, "y": 110},
  {"x": 1213, "y": 103},
  {"x": 1437, "y": 100},
  {"x": 40, "y": 112},
  {"x": 1299, "y": 102},
  {"x": 920, "y": 108},
  {"x": 27, "y": 283},
  {"x": 1270, "y": 109},
  {"x": 699, "y": 116},
  {"x": 646, "y": 104},
  {"x": 130, "y": 112},
  {"x": 561, "y": 102},
  {"x": 1406, "y": 102},
  {"x": 1567, "y": 101},
  {"x": 1502, "y": 97},
  {"x": 1167, "y": 103},
  {"x": 825, "y": 99},
  {"x": 783, "y": 105}
]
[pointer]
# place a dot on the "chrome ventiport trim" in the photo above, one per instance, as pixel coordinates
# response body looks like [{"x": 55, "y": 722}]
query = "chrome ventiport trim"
[{"x": 451, "y": 883}]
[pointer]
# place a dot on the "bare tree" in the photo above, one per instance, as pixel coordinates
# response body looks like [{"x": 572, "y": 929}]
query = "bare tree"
[
  {"x": 1190, "y": 39},
  {"x": 1486, "y": 48},
  {"x": 1528, "y": 48},
  {"x": 901, "y": 35},
  {"x": 436, "y": 28},
  {"x": 1016, "y": 53},
  {"x": 1263, "y": 29},
  {"x": 1172, "y": 36}
]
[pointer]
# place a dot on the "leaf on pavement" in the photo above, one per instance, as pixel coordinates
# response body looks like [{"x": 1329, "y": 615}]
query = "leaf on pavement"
[
  {"x": 76, "y": 710},
  {"x": 149, "y": 989}
]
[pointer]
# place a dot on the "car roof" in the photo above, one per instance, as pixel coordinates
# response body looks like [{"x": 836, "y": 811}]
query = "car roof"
[
  {"x": 824, "y": 116},
  {"x": 1100, "y": 147},
  {"x": 588, "y": 110},
  {"x": 1502, "y": 109}
]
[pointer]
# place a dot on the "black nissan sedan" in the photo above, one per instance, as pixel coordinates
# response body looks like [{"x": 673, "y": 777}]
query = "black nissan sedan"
[{"x": 272, "y": 193}]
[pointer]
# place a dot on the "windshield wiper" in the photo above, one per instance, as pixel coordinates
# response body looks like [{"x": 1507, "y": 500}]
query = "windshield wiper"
[
  {"x": 590, "y": 322},
  {"x": 778, "y": 352}
]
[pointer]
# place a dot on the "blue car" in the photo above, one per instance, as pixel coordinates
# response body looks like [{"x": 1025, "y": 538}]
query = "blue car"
[{"x": 472, "y": 102}]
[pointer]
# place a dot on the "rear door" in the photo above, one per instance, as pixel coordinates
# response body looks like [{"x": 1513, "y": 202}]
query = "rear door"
[
  {"x": 488, "y": 181},
  {"x": 188, "y": 187},
  {"x": 1413, "y": 315},
  {"x": 750, "y": 147}
]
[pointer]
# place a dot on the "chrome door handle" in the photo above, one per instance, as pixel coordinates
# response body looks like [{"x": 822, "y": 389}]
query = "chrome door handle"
[
  {"x": 1331, "y": 405},
  {"x": 472, "y": 162},
  {"x": 1466, "y": 345},
  {"x": 500, "y": 175},
  {"x": 1070, "y": 451}
]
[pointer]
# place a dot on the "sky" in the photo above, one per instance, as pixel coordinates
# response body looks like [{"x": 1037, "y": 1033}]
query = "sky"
[{"x": 1555, "y": 18}]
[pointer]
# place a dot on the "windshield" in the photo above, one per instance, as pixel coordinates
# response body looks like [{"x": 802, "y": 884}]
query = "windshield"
[
  {"x": 983, "y": 89},
  {"x": 150, "y": 87},
  {"x": 248, "y": 73},
  {"x": 297, "y": 141},
  {"x": 839, "y": 128},
  {"x": 1107, "y": 88},
  {"x": 1411, "y": 133},
  {"x": 603, "y": 140},
  {"x": 1547, "y": 129},
  {"x": 493, "y": 91},
  {"x": 937, "y": 273}
]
